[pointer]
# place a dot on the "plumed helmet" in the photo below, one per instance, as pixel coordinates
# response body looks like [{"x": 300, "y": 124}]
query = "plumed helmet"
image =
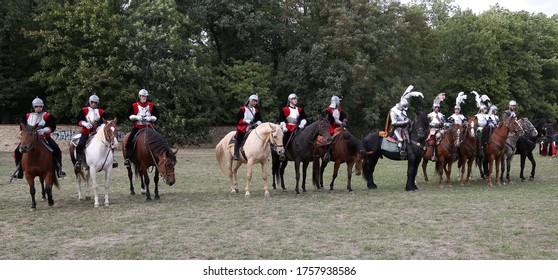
[
  {"x": 335, "y": 100},
  {"x": 493, "y": 109},
  {"x": 291, "y": 97},
  {"x": 439, "y": 98},
  {"x": 38, "y": 102},
  {"x": 512, "y": 103},
  {"x": 143, "y": 92},
  {"x": 482, "y": 107},
  {"x": 93, "y": 98},
  {"x": 403, "y": 104},
  {"x": 457, "y": 107}
]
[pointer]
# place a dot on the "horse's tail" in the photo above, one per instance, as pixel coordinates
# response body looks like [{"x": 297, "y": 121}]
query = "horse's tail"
[
  {"x": 220, "y": 153},
  {"x": 55, "y": 181},
  {"x": 316, "y": 173},
  {"x": 439, "y": 167}
]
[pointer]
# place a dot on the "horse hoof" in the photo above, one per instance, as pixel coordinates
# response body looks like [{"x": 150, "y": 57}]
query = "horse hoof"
[
  {"x": 132, "y": 193},
  {"x": 87, "y": 198},
  {"x": 96, "y": 205},
  {"x": 33, "y": 209},
  {"x": 143, "y": 192},
  {"x": 284, "y": 190},
  {"x": 51, "y": 203},
  {"x": 157, "y": 197},
  {"x": 247, "y": 195},
  {"x": 107, "y": 204},
  {"x": 148, "y": 198}
]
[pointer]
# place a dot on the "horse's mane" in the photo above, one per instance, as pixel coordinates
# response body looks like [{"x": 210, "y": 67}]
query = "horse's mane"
[
  {"x": 422, "y": 119},
  {"x": 353, "y": 144},
  {"x": 157, "y": 143}
]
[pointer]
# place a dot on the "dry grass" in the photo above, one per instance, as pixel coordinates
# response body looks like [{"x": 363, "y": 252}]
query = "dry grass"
[{"x": 199, "y": 219}]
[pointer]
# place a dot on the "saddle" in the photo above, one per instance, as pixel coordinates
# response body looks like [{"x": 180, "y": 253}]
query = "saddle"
[
  {"x": 75, "y": 139},
  {"x": 233, "y": 141}
]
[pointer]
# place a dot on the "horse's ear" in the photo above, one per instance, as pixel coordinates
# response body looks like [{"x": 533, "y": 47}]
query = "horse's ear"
[{"x": 22, "y": 126}]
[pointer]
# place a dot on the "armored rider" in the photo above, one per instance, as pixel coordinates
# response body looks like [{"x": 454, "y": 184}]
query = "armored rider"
[
  {"x": 510, "y": 112},
  {"x": 436, "y": 123},
  {"x": 143, "y": 114},
  {"x": 291, "y": 117},
  {"x": 482, "y": 119},
  {"x": 46, "y": 124},
  {"x": 457, "y": 117},
  {"x": 399, "y": 120},
  {"x": 493, "y": 119},
  {"x": 247, "y": 118},
  {"x": 336, "y": 118}
]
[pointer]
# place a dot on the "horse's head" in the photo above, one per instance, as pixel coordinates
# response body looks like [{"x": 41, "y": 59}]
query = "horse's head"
[
  {"x": 323, "y": 128},
  {"x": 29, "y": 137},
  {"x": 514, "y": 127},
  {"x": 455, "y": 134},
  {"x": 276, "y": 139},
  {"x": 528, "y": 127},
  {"x": 420, "y": 126},
  {"x": 111, "y": 132},
  {"x": 360, "y": 160},
  {"x": 167, "y": 161},
  {"x": 472, "y": 125}
]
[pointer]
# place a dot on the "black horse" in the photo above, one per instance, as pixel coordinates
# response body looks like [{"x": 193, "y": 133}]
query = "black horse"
[
  {"x": 300, "y": 150},
  {"x": 546, "y": 131},
  {"x": 414, "y": 148},
  {"x": 525, "y": 146}
]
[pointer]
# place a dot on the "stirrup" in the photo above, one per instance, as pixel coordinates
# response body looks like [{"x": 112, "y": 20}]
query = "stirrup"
[
  {"x": 403, "y": 153},
  {"x": 61, "y": 173},
  {"x": 114, "y": 164},
  {"x": 326, "y": 157},
  {"x": 235, "y": 157},
  {"x": 434, "y": 158},
  {"x": 127, "y": 163}
]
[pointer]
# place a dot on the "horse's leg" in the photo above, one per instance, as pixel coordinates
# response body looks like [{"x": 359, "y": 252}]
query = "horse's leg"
[
  {"x": 304, "y": 168},
  {"x": 87, "y": 186},
  {"x": 107, "y": 178},
  {"x": 533, "y": 165},
  {"x": 415, "y": 164},
  {"x": 297, "y": 175},
  {"x": 469, "y": 169},
  {"x": 31, "y": 182},
  {"x": 349, "y": 174},
  {"x": 440, "y": 170},
  {"x": 249, "y": 167},
  {"x": 448, "y": 173},
  {"x": 369, "y": 174},
  {"x": 49, "y": 181},
  {"x": 496, "y": 161},
  {"x": 282, "y": 174},
  {"x": 424, "y": 164},
  {"x": 412, "y": 166},
  {"x": 132, "y": 192},
  {"x": 43, "y": 192},
  {"x": 156, "y": 181},
  {"x": 335, "y": 170},
  {"x": 490, "y": 165},
  {"x": 275, "y": 166},
  {"x": 508, "y": 167},
  {"x": 522, "y": 166},
  {"x": 93, "y": 173},
  {"x": 264, "y": 176},
  {"x": 234, "y": 181},
  {"x": 146, "y": 182}
]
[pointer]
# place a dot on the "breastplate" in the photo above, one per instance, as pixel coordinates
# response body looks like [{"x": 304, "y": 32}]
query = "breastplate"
[{"x": 36, "y": 119}]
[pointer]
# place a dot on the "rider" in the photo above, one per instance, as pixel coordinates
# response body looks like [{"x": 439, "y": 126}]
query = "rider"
[
  {"x": 510, "y": 112},
  {"x": 291, "y": 117},
  {"x": 143, "y": 114},
  {"x": 248, "y": 116},
  {"x": 482, "y": 121},
  {"x": 399, "y": 122},
  {"x": 46, "y": 124},
  {"x": 336, "y": 118},
  {"x": 493, "y": 119},
  {"x": 457, "y": 117},
  {"x": 88, "y": 118},
  {"x": 436, "y": 124}
]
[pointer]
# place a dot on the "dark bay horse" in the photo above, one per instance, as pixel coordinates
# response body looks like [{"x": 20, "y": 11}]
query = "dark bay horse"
[
  {"x": 37, "y": 161},
  {"x": 546, "y": 131},
  {"x": 414, "y": 147},
  {"x": 345, "y": 149},
  {"x": 447, "y": 152},
  {"x": 468, "y": 150},
  {"x": 495, "y": 145},
  {"x": 300, "y": 150},
  {"x": 151, "y": 149},
  {"x": 525, "y": 146}
]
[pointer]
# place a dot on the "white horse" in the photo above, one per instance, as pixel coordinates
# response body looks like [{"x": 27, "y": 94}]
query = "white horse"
[
  {"x": 98, "y": 157},
  {"x": 256, "y": 150}
]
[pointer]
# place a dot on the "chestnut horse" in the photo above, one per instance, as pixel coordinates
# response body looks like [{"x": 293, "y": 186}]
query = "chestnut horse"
[
  {"x": 150, "y": 149},
  {"x": 345, "y": 149},
  {"x": 495, "y": 144},
  {"x": 98, "y": 156},
  {"x": 447, "y": 152},
  {"x": 37, "y": 161},
  {"x": 468, "y": 150},
  {"x": 255, "y": 150}
]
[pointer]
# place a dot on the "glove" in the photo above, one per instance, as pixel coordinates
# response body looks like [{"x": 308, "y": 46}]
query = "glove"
[
  {"x": 151, "y": 118},
  {"x": 344, "y": 124},
  {"x": 338, "y": 122},
  {"x": 302, "y": 124},
  {"x": 135, "y": 117},
  {"x": 283, "y": 126},
  {"x": 258, "y": 123},
  {"x": 40, "y": 131},
  {"x": 86, "y": 125}
]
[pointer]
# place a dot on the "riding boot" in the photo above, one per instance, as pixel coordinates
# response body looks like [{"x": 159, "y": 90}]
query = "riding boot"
[
  {"x": 128, "y": 154},
  {"x": 58, "y": 166},
  {"x": 19, "y": 173},
  {"x": 236, "y": 149},
  {"x": 435, "y": 153},
  {"x": 402, "y": 152}
]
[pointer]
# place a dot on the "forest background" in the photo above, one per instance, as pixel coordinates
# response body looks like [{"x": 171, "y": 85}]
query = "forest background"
[{"x": 201, "y": 59}]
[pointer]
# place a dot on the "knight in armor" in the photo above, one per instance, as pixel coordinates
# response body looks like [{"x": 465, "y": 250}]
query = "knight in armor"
[
  {"x": 493, "y": 119},
  {"x": 248, "y": 117},
  {"x": 142, "y": 114},
  {"x": 436, "y": 124},
  {"x": 291, "y": 117},
  {"x": 399, "y": 120},
  {"x": 482, "y": 119},
  {"x": 46, "y": 124},
  {"x": 510, "y": 111},
  {"x": 336, "y": 118},
  {"x": 89, "y": 118},
  {"x": 457, "y": 117}
]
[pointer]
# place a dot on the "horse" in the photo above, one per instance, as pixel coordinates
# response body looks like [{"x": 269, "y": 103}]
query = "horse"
[
  {"x": 468, "y": 149},
  {"x": 38, "y": 161},
  {"x": 150, "y": 149},
  {"x": 509, "y": 151},
  {"x": 546, "y": 131},
  {"x": 495, "y": 144},
  {"x": 414, "y": 147},
  {"x": 255, "y": 150},
  {"x": 447, "y": 152},
  {"x": 345, "y": 148},
  {"x": 99, "y": 154},
  {"x": 300, "y": 150},
  {"x": 525, "y": 146}
]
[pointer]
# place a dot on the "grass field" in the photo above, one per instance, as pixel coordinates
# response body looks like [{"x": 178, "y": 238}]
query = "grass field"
[{"x": 198, "y": 218}]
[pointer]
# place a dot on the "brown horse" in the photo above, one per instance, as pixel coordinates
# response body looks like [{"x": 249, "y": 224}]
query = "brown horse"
[
  {"x": 494, "y": 146},
  {"x": 150, "y": 149},
  {"x": 345, "y": 149},
  {"x": 468, "y": 150},
  {"x": 37, "y": 161},
  {"x": 447, "y": 152}
]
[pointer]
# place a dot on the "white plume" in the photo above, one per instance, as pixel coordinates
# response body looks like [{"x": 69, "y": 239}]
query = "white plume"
[
  {"x": 477, "y": 98},
  {"x": 408, "y": 93},
  {"x": 460, "y": 98}
]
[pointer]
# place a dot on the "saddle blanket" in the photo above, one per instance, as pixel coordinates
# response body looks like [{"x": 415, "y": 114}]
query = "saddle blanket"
[{"x": 389, "y": 146}]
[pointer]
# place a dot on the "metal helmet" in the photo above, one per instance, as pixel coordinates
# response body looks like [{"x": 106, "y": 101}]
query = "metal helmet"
[
  {"x": 38, "y": 102},
  {"x": 291, "y": 97},
  {"x": 93, "y": 98},
  {"x": 512, "y": 103},
  {"x": 143, "y": 92},
  {"x": 252, "y": 98},
  {"x": 457, "y": 107},
  {"x": 482, "y": 107},
  {"x": 335, "y": 100},
  {"x": 493, "y": 109},
  {"x": 403, "y": 104}
]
